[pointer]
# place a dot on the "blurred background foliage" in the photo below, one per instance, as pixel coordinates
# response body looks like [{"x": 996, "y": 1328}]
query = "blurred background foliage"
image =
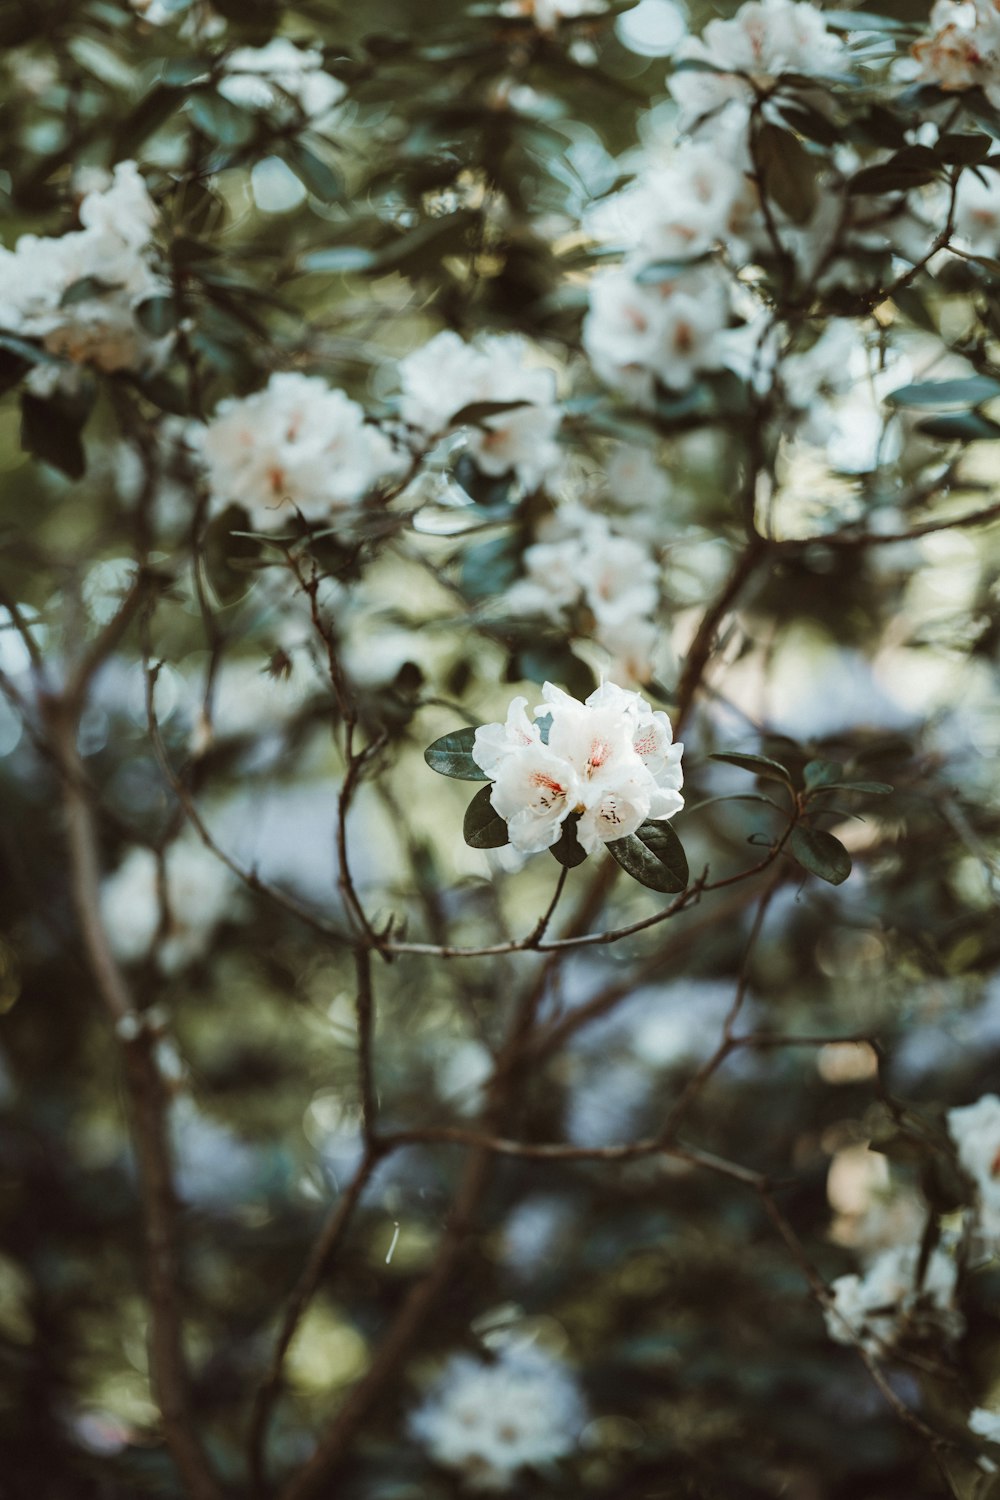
[{"x": 445, "y": 191}]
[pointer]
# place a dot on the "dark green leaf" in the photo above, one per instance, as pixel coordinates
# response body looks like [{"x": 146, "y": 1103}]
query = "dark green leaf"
[
  {"x": 52, "y": 432},
  {"x": 963, "y": 150},
  {"x": 225, "y": 554},
  {"x": 653, "y": 855},
  {"x": 567, "y": 849},
  {"x": 961, "y": 426},
  {"x": 157, "y": 315},
  {"x": 451, "y": 755},
  {"x": 787, "y": 172},
  {"x": 760, "y": 765},
  {"x": 483, "y": 828},
  {"x": 969, "y": 390},
  {"x": 84, "y": 289},
  {"x": 821, "y": 854},
  {"x": 477, "y": 411}
]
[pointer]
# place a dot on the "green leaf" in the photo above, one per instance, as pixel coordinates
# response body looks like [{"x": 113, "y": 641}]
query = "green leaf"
[
  {"x": 157, "y": 315},
  {"x": 226, "y": 551},
  {"x": 313, "y": 172},
  {"x": 451, "y": 755},
  {"x": 787, "y": 172},
  {"x": 820, "y": 773},
  {"x": 337, "y": 258},
  {"x": 961, "y": 427},
  {"x": 51, "y": 431},
  {"x": 477, "y": 412},
  {"x": 653, "y": 855},
  {"x": 221, "y": 120},
  {"x": 567, "y": 849},
  {"x": 912, "y": 167},
  {"x": 869, "y": 788},
  {"x": 820, "y": 853},
  {"x": 962, "y": 149},
  {"x": 967, "y": 391},
  {"x": 667, "y": 270},
  {"x": 483, "y": 828},
  {"x": 490, "y": 567},
  {"x": 84, "y": 289},
  {"x": 760, "y": 765}
]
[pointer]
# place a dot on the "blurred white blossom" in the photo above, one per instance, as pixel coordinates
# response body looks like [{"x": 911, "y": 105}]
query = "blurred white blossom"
[
  {"x": 491, "y": 1420},
  {"x": 295, "y": 445}
]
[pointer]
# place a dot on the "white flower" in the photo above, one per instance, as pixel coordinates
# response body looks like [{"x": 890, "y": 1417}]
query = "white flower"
[
  {"x": 448, "y": 374},
  {"x": 962, "y": 49},
  {"x": 263, "y": 77},
  {"x": 295, "y": 444},
  {"x": 113, "y": 251},
  {"x": 201, "y": 893},
  {"x": 885, "y": 1306},
  {"x": 489, "y": 1421},
  {"x": 581, "y": 563},
  {"x": 977, "y": 210},
  {"x": 764, "y": 39},
  {"x": 611, "y": 761},
  {"x": 975, "y": 1129},
  {"x": 547, "y": 14},
  {"x": 684, "y": 202},
  {"x": 985, "y": 1423},
  {"x": 636, "y": 335}
]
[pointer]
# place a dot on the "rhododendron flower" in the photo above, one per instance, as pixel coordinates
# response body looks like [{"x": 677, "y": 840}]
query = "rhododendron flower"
[
  {"x": 975, "y": 1129},
  {"x": 670, "y": 331},
  {"x": 610, "y": 761},
  {"x": 295, "y": 444},
  {"x": 888, "y": 1304},
  {"x": 764, "y": 39},
  {"x": 962, "y": 50},
  {"x": 109, "y": 260},
  {"x": 447, "y": 375}
]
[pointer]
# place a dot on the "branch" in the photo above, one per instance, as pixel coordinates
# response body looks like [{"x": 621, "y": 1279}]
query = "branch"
[{"x": 148, "y": 1108}]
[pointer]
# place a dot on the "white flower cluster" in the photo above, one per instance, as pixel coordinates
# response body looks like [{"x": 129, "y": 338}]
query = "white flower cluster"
[
  {"x": 488, "y": 1421},
  {"x": 610, "y": 760},
  {"x": 764, "y": 39},
  {"x": 579, "y": 563},
  {"x": 200, "y": 894},
  {"x": 447, "y": 375},
  {"x": 295, "y": 445},
  {"x": 279, "y": 74},
  {"x": 886, "y": 1306},
  {"x": 112, "y": 252},
  {"x": 663, "y": 316},
  {"x": 975, "y": 1129},
  {"x": 962, "y": 50}
]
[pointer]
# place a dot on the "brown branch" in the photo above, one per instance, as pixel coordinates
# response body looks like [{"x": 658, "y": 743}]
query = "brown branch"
[
  {"x": 148, "y": 1109},
  {"x": 703, "y": 644},
  {"x": 334, "y": 1230}
]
